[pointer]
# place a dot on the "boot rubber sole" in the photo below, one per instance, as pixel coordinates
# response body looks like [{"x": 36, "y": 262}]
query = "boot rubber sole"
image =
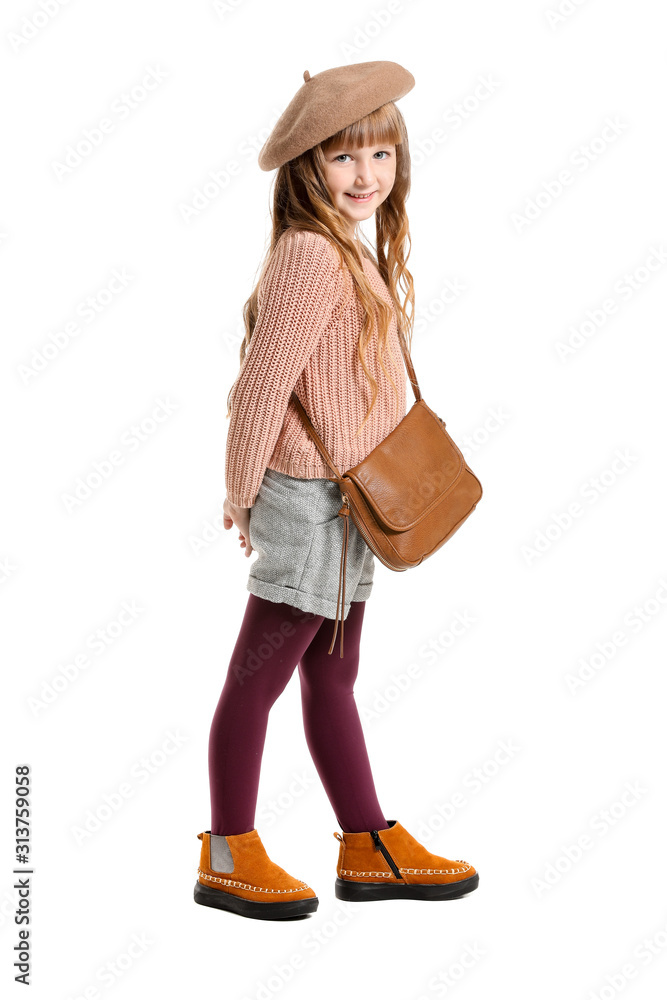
[
  {"x": 360, "y": 891},
  {"x": 222, "y": 900}
]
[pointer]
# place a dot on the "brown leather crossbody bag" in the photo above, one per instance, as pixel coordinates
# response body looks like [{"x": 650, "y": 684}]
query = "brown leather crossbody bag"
[{"x": 409, "y": 495}]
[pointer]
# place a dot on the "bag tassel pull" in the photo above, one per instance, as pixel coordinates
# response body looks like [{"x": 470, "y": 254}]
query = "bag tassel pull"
[{"x": 344, "y": 512}]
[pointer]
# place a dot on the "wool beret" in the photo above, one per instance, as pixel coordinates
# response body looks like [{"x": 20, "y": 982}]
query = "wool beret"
[{"x": 330, "y": 101}]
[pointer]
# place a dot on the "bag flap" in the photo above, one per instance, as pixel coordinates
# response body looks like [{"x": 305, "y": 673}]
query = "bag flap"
[{"x": 408, "y": 473}]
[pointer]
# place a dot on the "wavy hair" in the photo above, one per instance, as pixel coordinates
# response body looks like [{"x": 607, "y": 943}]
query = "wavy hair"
[{"x": 301, "y": 199}]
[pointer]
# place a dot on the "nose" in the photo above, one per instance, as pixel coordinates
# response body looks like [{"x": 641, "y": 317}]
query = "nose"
[{"x": 365, "y": 176}]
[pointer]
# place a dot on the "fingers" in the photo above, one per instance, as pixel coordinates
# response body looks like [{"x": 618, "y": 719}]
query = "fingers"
[{"x": 244, "y": 540}]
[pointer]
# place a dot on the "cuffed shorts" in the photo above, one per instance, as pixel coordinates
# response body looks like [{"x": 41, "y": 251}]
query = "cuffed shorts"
[{"x": 297, "y": 534}]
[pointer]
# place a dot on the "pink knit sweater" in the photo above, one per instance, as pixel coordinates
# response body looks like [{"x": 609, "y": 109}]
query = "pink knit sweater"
[{"x": 306, "y": 335}]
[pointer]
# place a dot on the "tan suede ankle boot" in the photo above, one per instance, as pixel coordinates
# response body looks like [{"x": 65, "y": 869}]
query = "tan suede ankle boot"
[
  {"x": 235, "y": 873},
  {"x": 392, "y": 864}
]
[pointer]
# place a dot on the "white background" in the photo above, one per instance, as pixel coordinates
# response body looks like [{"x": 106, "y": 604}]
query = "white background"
[{"x": 543, "y": 432}]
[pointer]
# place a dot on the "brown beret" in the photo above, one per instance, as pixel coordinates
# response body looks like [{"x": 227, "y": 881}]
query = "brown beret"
[{"x": 330, "y": 101}]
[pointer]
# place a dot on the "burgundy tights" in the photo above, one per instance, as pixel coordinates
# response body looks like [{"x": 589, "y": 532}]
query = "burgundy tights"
[{"x": 273, "y": 639}]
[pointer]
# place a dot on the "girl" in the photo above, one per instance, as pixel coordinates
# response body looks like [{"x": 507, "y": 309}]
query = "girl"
[{"x": 322, "y": 321}]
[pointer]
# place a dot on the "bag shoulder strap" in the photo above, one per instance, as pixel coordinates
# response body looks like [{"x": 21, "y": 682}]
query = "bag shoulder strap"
[
  {"x": 410, "y": 367},
  {"x": 316, "y": 437}
]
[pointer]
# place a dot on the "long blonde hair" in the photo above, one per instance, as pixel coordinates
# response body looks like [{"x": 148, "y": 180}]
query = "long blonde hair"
[{"x": 301, "y": 199}]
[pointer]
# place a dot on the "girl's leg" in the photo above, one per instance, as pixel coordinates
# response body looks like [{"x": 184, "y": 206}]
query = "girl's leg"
[
  {"x": 271, "y": 642},
  {"x": 333, "y": 727}
]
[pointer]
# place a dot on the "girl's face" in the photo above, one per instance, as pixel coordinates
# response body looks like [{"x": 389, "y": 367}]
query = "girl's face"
[{"x": 370, "y": 170}]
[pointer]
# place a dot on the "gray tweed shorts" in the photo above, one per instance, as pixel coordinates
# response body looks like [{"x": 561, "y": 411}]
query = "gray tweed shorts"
[{"x": 298, "y": 537}]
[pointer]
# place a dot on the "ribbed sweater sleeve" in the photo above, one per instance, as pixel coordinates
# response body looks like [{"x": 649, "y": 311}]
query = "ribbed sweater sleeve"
[{"x": 296, "y": 300}]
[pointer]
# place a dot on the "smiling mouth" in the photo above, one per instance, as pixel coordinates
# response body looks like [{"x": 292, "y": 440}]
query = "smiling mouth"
[{"x": 361, "y": 197}]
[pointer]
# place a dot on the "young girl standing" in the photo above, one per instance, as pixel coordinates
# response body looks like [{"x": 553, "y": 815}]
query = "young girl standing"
[{"x": 322, "y": 321}]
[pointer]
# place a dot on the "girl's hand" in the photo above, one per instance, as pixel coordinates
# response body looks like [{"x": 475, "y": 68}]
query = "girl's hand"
[{"x": 240, "y": 516}]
